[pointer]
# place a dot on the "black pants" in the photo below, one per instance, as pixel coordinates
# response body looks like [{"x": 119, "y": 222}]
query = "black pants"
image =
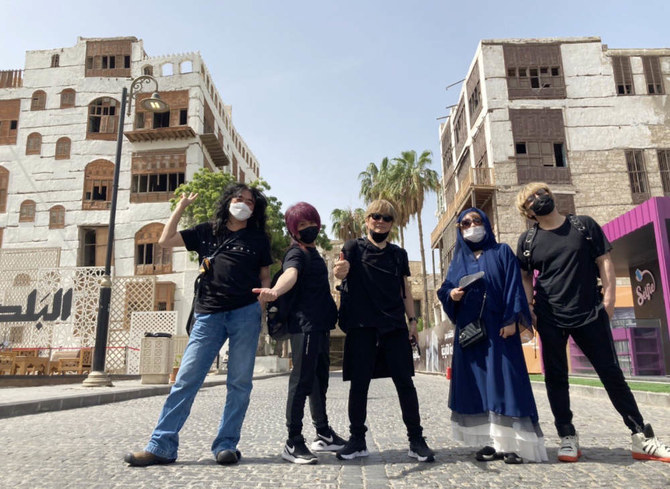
[
  {"x": 595, "y": 340},
  {"x": 395, "y": 349},
  {"x": 309, "y": 377}
]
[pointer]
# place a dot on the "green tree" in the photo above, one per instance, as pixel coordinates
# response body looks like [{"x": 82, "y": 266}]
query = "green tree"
[
  {"x": 413, "y": 178},
  {"x": 348, "y": 223}
]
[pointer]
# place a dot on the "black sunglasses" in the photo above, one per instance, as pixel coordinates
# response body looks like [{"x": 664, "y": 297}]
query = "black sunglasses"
[
  {"x": 381, "y": 217},
  {"x": 466, "y": 223}
]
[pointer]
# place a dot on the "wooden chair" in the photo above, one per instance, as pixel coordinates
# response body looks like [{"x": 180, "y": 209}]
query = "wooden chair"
[{"x": 71, "y": 361}]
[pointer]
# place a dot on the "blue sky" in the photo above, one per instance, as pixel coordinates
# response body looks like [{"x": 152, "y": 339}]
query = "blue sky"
[{"x": 320, "y": 89}]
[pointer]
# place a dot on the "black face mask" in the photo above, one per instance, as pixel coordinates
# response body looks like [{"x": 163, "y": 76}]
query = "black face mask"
[
  {"x": 379, "y": 237},
  {"x": 543, "y": 205},
  {"x": 308, "y": 235}
]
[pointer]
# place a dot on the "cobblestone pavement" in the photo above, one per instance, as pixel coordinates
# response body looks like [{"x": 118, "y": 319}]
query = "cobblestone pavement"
[{"x": 83, "y": 448}]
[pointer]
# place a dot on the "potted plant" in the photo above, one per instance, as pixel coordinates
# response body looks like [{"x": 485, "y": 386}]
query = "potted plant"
[{"x": 175, "y": 368}]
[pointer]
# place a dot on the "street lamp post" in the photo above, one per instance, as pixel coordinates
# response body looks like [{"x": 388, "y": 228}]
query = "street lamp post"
[{"x": 98, "y": 377}]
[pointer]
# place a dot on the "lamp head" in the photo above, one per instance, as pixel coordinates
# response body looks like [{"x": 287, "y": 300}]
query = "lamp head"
[{"x": 155, "y": 103}]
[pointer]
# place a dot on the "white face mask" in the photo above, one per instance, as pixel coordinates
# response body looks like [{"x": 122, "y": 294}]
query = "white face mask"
[
  {"x": 240, "y": 211},
  {"x": 474, "y": 234}
]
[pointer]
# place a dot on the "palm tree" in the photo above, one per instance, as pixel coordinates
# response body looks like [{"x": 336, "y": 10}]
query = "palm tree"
[
  {"x": 376, "y": 183},
  {"x": 348, "y": 223},
  {"x": 412, "y": 179}
]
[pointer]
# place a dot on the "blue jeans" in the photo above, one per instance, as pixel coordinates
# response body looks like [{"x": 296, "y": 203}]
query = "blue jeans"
[{"x": 210, "y": 331}]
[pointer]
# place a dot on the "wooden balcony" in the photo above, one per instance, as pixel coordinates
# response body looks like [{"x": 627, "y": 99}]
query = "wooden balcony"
[
  {"x": 11, "y": 78},
  {"x": 547, "y": 174},
  {"x": 214, "y": 148},
  {"x": 160, "y": 134}
]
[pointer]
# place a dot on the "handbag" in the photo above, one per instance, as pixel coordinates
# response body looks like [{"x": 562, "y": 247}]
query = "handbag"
[{"x": 475, "y": 331}]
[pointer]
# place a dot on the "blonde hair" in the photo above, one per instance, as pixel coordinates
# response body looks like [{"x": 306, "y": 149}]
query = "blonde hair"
[
  {"x": 526, "y": 192},
  {"x": 381, "y": 206}
]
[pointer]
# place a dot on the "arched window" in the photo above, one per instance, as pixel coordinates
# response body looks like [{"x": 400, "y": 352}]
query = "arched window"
[
  {"x": 98, "y": 179},
  {"x": 67, "y": 98},
  {"x": 39, "y": 100},
  {"x": 27, "y": 212},
  {"x": 22, "y": 280},
  {"x": 55, "y": 61},
  {"x": 63, "y": 149},
  {"x": 102, "y": 119},
  {"x": 34, "y": 143},
  {"x": 151, "y": 259},
  {"x": 4, "y": 184},
  {"x": 148, "y": 70},
  {"x": 57, "y": 217}
]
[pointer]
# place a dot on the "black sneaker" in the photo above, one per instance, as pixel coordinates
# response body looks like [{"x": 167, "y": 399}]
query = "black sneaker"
[
  {"x": 327, "y": 442},
  {"x": 296, "y": 451},
  {"x": 419, "y": 450},
  {"x": 355, "y": 447}
]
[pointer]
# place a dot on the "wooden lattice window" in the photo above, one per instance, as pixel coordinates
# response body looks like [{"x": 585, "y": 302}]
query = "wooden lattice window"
[
  {"x": 4, "y": 184},
  {"x": 623, "y": 75},
  {"x": 652, "y": 75},
  {"x": 63, "y": 148},
  {"x": 38, "y": 100},
  {"x": 55, "y": 61},
  {"x": 34, "y": 143},
  {"x": 150, "y": 258},
  {"x": 102, "y": 118},
  {"x": 637, "y": 175},
  {"x": 27, "y": 211},
  {"x": 664, "y": 166},
  {"x": 98, "y": 179},
  {"x": 67, "y": 98},
  {"x": 57, "y": 217},
  {"x": 93, "y": 246}
]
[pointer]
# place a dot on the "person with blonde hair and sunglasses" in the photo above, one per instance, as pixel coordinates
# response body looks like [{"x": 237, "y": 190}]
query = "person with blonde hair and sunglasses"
[
  {"x": 375, "y": 298},
  {"x": 562, "y": 258}
]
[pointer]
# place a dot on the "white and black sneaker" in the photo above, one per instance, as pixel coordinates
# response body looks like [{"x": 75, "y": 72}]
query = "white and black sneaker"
[
  {"x": 647, "y": 447},
  {"x": 296, "y": 451},
  {"x": 354, "y": 448},
  {"x": 327, "y": 442},
  {"x": 419, "y": 450}
]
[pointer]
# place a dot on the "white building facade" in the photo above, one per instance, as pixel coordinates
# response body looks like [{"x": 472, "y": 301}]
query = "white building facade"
[{"x": 58, "y": 128}]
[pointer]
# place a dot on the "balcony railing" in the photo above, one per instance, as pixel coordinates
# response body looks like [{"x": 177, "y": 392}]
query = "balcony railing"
[{"x": 548, "y": 174}]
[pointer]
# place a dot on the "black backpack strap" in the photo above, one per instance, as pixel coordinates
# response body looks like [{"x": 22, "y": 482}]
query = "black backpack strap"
[
  {"x": 577, "y": 223},
  {"x": 527, "y": 247}
]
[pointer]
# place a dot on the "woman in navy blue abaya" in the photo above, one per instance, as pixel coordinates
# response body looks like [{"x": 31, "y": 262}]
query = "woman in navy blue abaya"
[{"x": 490, "y": 395}]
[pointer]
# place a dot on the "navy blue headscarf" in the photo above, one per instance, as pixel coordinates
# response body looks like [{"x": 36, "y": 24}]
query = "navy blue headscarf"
[{"x": 505, "y": 297}]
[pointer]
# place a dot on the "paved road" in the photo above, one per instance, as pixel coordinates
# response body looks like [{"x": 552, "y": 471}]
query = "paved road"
[{"x": 83, "y": 448}]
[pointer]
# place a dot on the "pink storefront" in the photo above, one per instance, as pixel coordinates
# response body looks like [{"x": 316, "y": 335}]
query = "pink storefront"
[{"x": 642, "y": 253}]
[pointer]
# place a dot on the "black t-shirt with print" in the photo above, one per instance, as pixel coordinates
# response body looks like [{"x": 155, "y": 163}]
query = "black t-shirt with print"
[
  {"x": 566, "y": 289},
  {"x": 375, "y": 283},
  {"x": 313, "y": 308},
  {"x": 235, "y": 270}
]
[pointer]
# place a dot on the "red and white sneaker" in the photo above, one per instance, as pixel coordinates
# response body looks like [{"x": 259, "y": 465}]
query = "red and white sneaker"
[
  {"x": 569, "y": 450},
  {"x": 647, "y": 447}
]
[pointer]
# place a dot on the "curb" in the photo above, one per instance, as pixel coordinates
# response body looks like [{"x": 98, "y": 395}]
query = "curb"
[{"x": 97, "y": 396}]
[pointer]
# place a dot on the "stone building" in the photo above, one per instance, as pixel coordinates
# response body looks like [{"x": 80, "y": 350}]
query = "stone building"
[
  {"x": 591, "y": 121},
  {"x": 58, "y": 128}
]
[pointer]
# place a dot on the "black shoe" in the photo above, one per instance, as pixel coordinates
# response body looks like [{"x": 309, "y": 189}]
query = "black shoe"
[
  {"x": 419, "y": 450},
  {"x": 512, "y": 458},
  {"x": 228, "y": 457},
  {"x": 353, "y": 448},
  {"x": 487, "y": 454},
  {"x": 327, "y": 441},
  {"x": 296, "y": 451},
  {"x": 144, "y": 459}
]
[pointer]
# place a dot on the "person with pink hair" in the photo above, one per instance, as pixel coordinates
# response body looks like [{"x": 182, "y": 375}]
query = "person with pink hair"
[{"x": 312, "y": 315}]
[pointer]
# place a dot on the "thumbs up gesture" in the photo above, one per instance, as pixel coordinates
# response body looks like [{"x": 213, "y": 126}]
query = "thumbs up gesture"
[{"x": 341, "y": 267}]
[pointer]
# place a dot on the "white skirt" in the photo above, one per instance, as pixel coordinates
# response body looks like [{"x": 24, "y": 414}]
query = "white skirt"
[{"x": 503, "y": 433}]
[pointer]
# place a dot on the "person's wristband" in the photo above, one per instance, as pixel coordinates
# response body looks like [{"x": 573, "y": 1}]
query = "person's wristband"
[{"x": 412, "y": 319}]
